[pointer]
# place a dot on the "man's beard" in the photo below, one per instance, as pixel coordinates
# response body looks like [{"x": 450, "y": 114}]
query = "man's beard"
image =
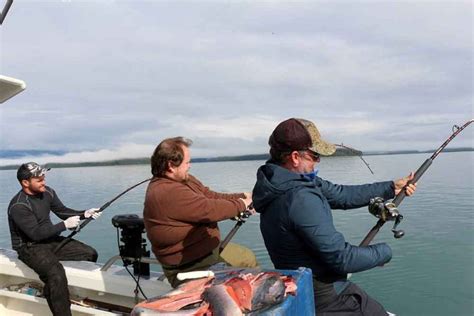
[{"x": 37, "y": 191}]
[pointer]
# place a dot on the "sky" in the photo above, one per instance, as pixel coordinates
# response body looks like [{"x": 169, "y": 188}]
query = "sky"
[{"x": 111, "y": 79}]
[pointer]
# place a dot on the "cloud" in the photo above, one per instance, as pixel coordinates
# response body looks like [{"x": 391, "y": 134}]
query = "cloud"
[
  {"x": 122, "y": 152},
  {"x": 104, "y": 75}
]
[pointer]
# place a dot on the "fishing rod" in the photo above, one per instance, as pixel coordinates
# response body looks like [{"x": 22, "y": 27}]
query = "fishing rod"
[
  {"x": 388, "y": 211},
  {"x": 242, "y": 218},
  {"x": 4, "y": 12},
  {"x": 88, "y": 220}
]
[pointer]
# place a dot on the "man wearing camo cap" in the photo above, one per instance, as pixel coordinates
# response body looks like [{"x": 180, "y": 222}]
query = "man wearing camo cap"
[
  {"x": 34, "y": 236},
  {"x": 296, "y": 222}
]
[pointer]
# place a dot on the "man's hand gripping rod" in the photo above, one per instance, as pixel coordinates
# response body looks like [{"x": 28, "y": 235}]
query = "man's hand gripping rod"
[
  {"x": 391, "y": 209},
  {"x": 87, "y": 220}
]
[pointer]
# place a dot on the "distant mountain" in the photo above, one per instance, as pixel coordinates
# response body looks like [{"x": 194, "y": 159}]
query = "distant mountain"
[
  {"x": 141, "y": 161},
  {"x": 339, "y": 152},
  {"x": 404, "y": 152}
]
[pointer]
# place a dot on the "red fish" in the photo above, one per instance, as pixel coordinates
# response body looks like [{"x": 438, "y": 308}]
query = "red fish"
[
  {"x": 184, "y": 295},
  {"x": 243, "y": 292},
  {"x": 239, "y": 294},
  {"x": 256, "y": 292}
]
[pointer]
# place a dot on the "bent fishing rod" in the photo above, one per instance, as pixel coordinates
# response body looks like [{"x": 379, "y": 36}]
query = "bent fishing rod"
[
  {"x": 88, "y": 220},
  {"x": 388, "y": 211}
]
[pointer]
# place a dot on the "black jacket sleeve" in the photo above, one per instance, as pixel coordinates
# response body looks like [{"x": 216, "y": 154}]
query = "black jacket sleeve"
[{"x": 29, "y": 225}]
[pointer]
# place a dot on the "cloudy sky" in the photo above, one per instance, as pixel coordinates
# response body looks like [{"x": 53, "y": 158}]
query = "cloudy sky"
[{"x": 110, "y": 79}]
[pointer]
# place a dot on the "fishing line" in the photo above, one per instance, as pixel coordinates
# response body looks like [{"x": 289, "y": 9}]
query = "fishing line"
[{"x": 358, "y": 153}]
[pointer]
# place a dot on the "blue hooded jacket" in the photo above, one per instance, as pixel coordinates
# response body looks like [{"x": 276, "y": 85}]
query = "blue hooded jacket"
[{"x": 297, "y": 224}]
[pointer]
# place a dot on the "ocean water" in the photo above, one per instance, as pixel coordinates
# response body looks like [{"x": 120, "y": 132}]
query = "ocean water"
[{"x": 432, "y": 270}]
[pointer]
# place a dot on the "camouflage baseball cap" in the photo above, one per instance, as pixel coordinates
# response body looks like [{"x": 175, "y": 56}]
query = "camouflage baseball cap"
[
  {"x": 299, "y": 134},
  {"x": 30, "y": 170}
]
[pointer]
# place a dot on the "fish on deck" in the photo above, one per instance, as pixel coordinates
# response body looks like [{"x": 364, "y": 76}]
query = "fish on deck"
[{"x": 227, "y": 294}]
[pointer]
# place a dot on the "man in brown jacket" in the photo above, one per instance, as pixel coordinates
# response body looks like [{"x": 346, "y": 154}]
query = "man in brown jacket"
[{"x": 181, "y": 215}]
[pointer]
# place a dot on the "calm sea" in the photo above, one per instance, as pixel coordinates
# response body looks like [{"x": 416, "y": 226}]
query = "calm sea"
[{"x": 431, "y": 272}]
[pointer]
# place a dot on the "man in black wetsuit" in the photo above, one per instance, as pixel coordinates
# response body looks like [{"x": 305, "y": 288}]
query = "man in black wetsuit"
[{"x": 34, "y": 236}]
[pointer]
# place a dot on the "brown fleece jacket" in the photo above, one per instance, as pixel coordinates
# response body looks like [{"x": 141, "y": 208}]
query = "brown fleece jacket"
[{"x": 181, "y": 218}]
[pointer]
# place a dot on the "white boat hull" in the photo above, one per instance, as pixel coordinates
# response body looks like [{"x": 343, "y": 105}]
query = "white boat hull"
[{"x": 85, "y": 279}]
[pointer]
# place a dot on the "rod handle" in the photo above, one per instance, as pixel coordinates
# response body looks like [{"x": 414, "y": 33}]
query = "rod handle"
[
  {"x": 230, "y": 235},
  {"x": 400, "y": 196},
  {"x": 371, "y": 234}
]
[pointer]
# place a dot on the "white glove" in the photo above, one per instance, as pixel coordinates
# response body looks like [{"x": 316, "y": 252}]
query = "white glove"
[
  {"x": 71, "y": 222},
  {"x": 92, "y": 212}
]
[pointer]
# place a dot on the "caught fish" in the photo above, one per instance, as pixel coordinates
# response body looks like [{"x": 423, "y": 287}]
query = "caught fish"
[
  {"x": 243, "y": 292},
  {"x": 290, "y": 285},
  {"x": 256, "y": 292},
  {"x": 267, "y": 290},
  {"x": 186, "y": 294},
  {"x": 246, "y": 292},
  {"x": 223, "y": 301}
]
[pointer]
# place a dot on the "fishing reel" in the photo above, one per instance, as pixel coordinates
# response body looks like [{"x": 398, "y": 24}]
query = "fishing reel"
[
  {"x": 242, "y": 217},
  {"x": 387, "y": 211}
]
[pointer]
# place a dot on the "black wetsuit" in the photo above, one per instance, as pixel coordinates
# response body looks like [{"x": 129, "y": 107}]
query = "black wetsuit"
[{"x": 35, "y": 237}]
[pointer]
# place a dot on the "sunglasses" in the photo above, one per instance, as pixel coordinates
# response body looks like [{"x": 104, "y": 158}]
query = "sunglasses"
[{"x": 313, "y": 155}]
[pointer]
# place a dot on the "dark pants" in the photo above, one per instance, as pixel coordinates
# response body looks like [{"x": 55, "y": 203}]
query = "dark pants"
[
  {"x": 352, "y": 301},
  {"x": 42, "y": 260}
]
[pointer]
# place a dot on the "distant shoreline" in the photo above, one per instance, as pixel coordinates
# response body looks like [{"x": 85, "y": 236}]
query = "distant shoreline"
[{"x": 144, "y": 161}]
